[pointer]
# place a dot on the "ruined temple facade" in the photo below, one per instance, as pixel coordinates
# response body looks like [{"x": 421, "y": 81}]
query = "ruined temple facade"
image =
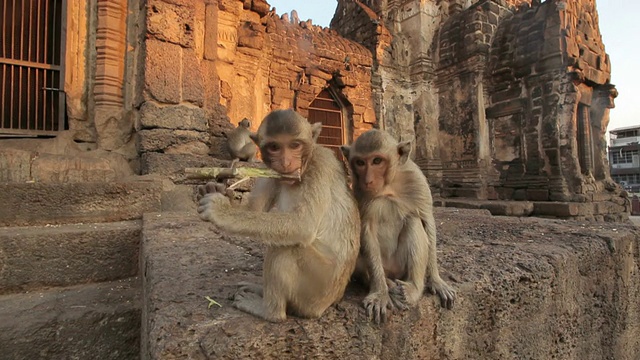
[{"x": 505, "y": 99}]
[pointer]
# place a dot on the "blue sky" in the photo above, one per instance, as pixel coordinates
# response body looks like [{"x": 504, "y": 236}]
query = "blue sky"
[{"x": 619, "y": 25}]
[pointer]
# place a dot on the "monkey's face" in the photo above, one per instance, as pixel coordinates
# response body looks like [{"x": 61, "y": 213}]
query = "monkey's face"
[
  {"x": 370, "y": 171},
  {"x": 284, "y": 154},
  {"x": 245, "y": 123}
]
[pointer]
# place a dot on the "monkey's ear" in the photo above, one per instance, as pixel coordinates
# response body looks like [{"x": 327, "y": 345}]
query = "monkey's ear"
[
  {"x": 346, "y": 149},
  {"x": 316, "y": 129},
  {"x": 404, "y": 150},
  {"x": 255, "y": 138}
]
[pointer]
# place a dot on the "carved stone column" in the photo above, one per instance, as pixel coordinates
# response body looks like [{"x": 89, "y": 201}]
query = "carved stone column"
[{"x": 113, "y": 127}]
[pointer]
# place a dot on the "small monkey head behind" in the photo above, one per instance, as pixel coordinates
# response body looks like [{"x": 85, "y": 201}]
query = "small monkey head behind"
[
  {"x": 286, "y": 141},
  {"x": 374, "y": 158},
  {"x": 245, "y": 123}
]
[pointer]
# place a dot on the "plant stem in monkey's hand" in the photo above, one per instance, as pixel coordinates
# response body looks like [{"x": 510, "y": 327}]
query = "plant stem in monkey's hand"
[
  {"x": 212, "y": 302},
  {"x": 219, "y": 173}
]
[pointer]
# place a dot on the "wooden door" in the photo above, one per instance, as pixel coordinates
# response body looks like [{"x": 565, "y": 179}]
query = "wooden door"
[{"x": 327, "y": 110}]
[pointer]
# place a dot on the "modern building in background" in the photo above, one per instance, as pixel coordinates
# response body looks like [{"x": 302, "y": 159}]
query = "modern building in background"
[{"x": 624, "y": 156}]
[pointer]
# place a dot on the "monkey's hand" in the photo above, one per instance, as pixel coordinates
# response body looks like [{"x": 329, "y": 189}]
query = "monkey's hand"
[
  {"x": 445, "y": 292},
  {"x": 377, "y": 304},
  {"x": 211, "y": 199}
]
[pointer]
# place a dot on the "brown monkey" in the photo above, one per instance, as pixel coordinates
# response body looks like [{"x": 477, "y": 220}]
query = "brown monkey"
[
  {"x": 398, "y": 229},
  {"x": 239, "y": 142},
  {"x": 311, "y": 227}
]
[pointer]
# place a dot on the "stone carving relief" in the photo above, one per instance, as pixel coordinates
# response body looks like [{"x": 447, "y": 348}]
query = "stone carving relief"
[{"x": 227, "y": 37}]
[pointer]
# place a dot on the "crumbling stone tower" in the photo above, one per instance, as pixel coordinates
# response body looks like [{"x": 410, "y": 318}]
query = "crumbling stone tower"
[{"x": 507, "y": 100}]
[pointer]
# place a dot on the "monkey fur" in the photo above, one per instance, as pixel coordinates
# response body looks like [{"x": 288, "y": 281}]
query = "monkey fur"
[
  {"x": 311, "y": 227},
  {"x": 398, "y": 229},
  {"x": 239, "y": 142}
]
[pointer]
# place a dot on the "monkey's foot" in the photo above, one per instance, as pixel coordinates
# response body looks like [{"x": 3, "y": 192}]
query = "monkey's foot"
[
  {"x": 253, "y": 304},
  {"x": 250, "y": 287},
  {"x": 445, "y": 292},
  {"x": 376, "y": 305},
  {"x": 246, "y": 287},
  {"x": 404, "y": 294}
]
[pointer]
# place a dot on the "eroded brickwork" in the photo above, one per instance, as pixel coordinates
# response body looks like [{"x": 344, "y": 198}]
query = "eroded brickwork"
[
  {"x": 211, "y": 64},
  {"x": 507, "y": 100},
  {"x": 548, "y": 107}
]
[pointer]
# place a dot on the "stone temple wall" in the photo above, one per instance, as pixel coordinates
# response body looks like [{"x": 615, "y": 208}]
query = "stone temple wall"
[
  {"x": 211, "y": 64},
  {"x": 548, "y": 104},
  {"x": 507, "y": 100}
]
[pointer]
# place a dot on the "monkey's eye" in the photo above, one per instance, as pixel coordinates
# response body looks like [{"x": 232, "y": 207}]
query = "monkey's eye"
[
  {"x": 273, "y": 147},
  {"x": 359, "y": 162},
  {"x": 295, "y": 145},
  {"x": 377, "y": 161}
]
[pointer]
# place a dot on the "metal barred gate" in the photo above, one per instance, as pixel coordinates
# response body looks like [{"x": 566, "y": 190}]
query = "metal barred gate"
[{"x": 32, "y": 67}]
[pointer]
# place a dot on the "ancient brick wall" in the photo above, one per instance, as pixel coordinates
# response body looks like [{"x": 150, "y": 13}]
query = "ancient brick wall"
[
  {"x": 464, "y": 134},
  {"x": 507, "y": 99},
  {"x": 179, "y": 88},
  {"x": 209, "y": 65},
  {"x": 400, "y": 36},
  {"x": 549, "y": 102}
]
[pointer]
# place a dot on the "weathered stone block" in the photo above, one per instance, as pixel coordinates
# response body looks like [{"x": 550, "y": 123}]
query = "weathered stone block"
[
  {"x": 173, "y": 165},
  {"x": 506, "y": 108},
  {"x": 505, "y": 95},
  {"x": 520, "y": 195},
  {"x": 162, "y": 71},
  {"x": 162, "y": 139},
  {"x": 50, "y": 168},
  {"x": 192, "y": 78},
  {"x": 537, "y": 194},
  {"x": 95, "y": 321},
  {"x": 560, "y": 209},
  {"x": 505, "y": 193},
  {"x": 260, "y": 6},
  {"x": 67, "y": 255},
  {"x": 231, "y": 6},
  {"x": 533, "y": 270},
  {"x": 183, "y": 117},
  {"x": 281, "y": 95},
  {"x": 191, "y": 147},
  {"x": 251, "y": 35},
  {"x": 39, "y": 203},
  {"x": 171, "y": 22},
  {"x": 550, "y": 63},
  {"x": 210, "y": 31},
  {"x": 597, "y": 76},
  {"x": 316, "y": 81},
  {"x": 509, "y": 208},
  {"x": 15, "y": 165}
]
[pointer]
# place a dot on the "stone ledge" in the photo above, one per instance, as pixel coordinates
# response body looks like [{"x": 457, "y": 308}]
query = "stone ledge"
[
  {"x": 96, "y": 321},
  {"x": 595, "y": 211},
  {"x": 570, "y": 289},
  {"x": 61, "y": 203},
  {"x": 45, "y": 256},
  {"x": 173, "y": 165},
  {"x": 24, "y": 165}
]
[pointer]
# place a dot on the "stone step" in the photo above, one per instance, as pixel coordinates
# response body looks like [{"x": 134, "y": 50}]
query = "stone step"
[
  {"x": 28, "y": 204},
  {"x": 609, "y": 211},
  {"x": 96, "y": 321},
  {"x": 569, "y": 288},
  {"x": 63, "y": 255}
]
